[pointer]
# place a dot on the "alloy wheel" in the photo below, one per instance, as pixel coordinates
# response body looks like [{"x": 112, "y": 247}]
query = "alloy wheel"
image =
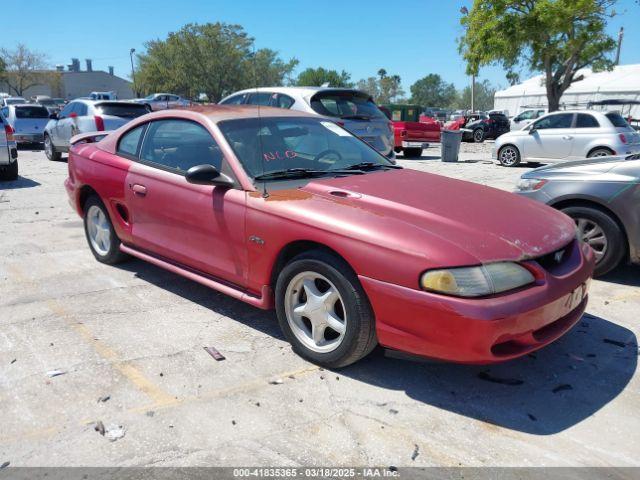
[
  {"x": 99, "y": 230},
  {"x": 593, "y": 234},
  {"x": 508, "y": 156}
]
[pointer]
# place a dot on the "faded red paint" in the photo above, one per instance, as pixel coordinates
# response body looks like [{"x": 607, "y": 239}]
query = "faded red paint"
[{"x": 390, "y": 226}]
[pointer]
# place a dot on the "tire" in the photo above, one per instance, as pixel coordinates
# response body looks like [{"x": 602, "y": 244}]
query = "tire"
[
  {"x": 105, "y": 247},
  {"x": 478, "y": 135},
  {"x": 603, "y": 234},
  {"x": 509, "y": 156},
  {"x": 412, "y": 152},
  {"x": 10, "y": 172},
  {"x": 50, "y": 150},
  {"x": 323, "y": 272},
  {"x": 600, "y": 152}
]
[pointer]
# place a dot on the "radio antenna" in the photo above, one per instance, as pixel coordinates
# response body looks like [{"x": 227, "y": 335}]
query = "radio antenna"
[{"x": 265, "y": 193}]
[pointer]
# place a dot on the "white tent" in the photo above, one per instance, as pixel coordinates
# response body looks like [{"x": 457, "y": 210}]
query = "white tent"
[{"x": 622, "y": 83}]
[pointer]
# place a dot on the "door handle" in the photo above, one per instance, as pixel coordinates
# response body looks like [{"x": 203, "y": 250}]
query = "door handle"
[
  {"x": 567, "y": 137},
  {"x": 139, "y": 189}
]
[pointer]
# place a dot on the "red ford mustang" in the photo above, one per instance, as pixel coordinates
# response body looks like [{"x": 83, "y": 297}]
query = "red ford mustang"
[{"x": 277, "y": 208}]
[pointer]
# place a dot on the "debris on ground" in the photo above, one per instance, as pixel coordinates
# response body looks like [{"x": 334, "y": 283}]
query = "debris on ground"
[
  {"x": 214, "y": 353},
  {"x": 393, "y": 411},
  {"x": 5, "y": 465},
  {"x": 55, "y": 373},
  {"x": 277, "y": 381},
  {"x": 99, "y": 428},
  {"x": 104, "y": 399},
  {"x": 150, "y": 413},
  {"x": 615, "y": 342},
  {"x": 416, "y": 452},
  {"x": 257, "y": 404},
  {"x": 114, "y": 432},
  {"x": 161, "y": 374},
  {"x": 504, "y": 381},
  {"x": 562, "y": 387},
  {"x": 14, "y": 361},
  {"x": 233, "y": 422}
]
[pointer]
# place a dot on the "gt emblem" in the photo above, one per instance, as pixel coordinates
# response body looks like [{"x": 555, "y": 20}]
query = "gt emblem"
[
  {"x": 256, "y": 239},
  {"x": 558, "y": 256}
]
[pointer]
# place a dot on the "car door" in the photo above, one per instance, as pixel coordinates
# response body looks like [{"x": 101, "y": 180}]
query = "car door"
[
  {"x": 65, "y": 124},
  {"x": 586, "y": 129},
  {"x": 550, "y": 138},
  {"x": 197, "y": 226}
]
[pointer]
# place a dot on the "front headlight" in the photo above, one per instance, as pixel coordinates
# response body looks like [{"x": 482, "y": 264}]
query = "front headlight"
[
  {"x": 477, "y": 281},
  {"x": 530, "y": 184}
]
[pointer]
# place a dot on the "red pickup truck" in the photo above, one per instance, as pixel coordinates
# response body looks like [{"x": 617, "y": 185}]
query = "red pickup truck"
[{"x": 411, "y": 136}]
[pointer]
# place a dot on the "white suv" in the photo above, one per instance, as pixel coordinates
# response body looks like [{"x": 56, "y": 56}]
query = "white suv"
[{"x": 568, "y": 135}]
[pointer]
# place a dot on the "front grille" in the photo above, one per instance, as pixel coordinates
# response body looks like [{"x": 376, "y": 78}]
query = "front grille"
[{"x": 557, "y": 259}]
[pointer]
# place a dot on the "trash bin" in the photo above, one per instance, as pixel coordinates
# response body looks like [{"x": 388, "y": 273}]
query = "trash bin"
[{"x": 450, "y": 145}]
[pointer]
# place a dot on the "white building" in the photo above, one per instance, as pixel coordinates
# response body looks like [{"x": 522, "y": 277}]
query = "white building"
[{"x": 622, "y": 83}]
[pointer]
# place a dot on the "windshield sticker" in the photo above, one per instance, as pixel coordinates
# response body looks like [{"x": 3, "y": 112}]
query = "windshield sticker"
[
  {"x": 335, "y": 129},
  {"x": 277, "y": 155}
]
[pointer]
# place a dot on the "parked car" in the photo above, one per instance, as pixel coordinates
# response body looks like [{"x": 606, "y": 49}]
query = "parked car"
[
  {"x": 288, "y": 209},
  {"x": 49, "y": 103},
  {"x": 568, "y": 135},
  {"x": 480, "y": 127},
  {"x": 603, "y": 198},
  {"x": 161, "y": 101},
  {"x": 354, "y": 110},
  {"x": 103, "y": 96},
  {"x": 410, "y": 135},
  {"x": 28, "y": 122},
  {"x": 6, "y": 101},
  {"x": 525, "y": 117},
  {"x": 8, "y": 151},
  {"x": 82, "y": 116}
]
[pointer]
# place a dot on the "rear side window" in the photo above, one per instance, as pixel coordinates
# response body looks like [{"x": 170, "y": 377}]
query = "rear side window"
[
  {"x": 130, "y": 141},
  {"x": 586, "y": 121},
  {"x": 80, "y": 109},
  {"x": 260, "y": 98},
  {"x": 235, "y": 100},
  {"x": 561, "y": 120},
  {"x": 124, "y": 110},
  {"x": 178, "y": 145},
  {"x": 617, "y": 120},
  {"x": 345, "y": 104},
  {"x": 32, "y": 112},
  {"x": 66, "y": 111},
  {"x": 283, "y": 101}
]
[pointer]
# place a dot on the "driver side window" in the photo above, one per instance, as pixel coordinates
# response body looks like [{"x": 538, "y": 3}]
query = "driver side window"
[
  {"x": 66, "y": 111},
  {"x": 561, "y": 120}
]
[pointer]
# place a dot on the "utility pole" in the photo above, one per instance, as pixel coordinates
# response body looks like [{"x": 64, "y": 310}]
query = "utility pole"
[
  {"x": 473, "y": 92},
  {"x": 620, "y": 36},
  {"x": 133, "y": 74}
]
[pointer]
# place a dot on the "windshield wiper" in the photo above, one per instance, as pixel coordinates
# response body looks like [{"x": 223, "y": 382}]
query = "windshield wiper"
[
  {"x": 355, "y": 117},
  {"x": 304, "y": 173},
  {"x": 370, "y": 166}
]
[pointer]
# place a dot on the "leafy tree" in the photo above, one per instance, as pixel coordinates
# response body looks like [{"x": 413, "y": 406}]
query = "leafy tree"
[
  {"x": 213, "y": 58},
  {"x": 556, "y": 37},
  {"x": 482, "y": 96},
  {"x": 384, "y": 88},
  {"x": 432, "y": 90},
  {"x": 23, "y": 68},
  {"x": 318, "y": 76}
]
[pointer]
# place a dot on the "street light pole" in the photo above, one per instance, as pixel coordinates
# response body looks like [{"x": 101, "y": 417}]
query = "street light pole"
[
  {"x": 133, "y": 75},
  {"x": 620, "y": 36},
  {"x": 473, "y": 92}
]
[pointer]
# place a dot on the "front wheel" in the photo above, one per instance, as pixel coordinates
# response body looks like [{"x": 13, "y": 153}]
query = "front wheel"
[
  {"x": 600, "y": 152},
  {"x": 478, "y": 135},
  {"x": 602, "y": 234},
  {"x": 102, "y": 238},
  {"x": 50, "y": 149},
  {"x": 323, "y": 310},
  {"x": 509, "y": 156}
]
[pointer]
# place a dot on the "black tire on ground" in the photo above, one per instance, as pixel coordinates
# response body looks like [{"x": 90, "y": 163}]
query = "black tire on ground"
[
  {"x": 412, "y": 152},
  {"x": 615, "y": 238},
  {"x": 10, "y": 172},
  {"x": 50, "y": 150},
  {"x": 509, "y": 156},
  {"x": 600, "y": 152},
  {"x": 478, "y": 135},
  {"x": 360, "y": 336},
  {"x": 113, "y": 255}
]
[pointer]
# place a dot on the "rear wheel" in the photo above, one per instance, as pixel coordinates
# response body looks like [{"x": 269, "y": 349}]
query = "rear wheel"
[
  {"x": 323, "y": 310},
  {"x": 412, "y": 152},
  {"x": 602, "y": 233},
  {"x": 10, "y": 172},
  {"x": 509, "y": 156},
  {"x": 478, "y": 135},
  {"x": 102, "y": 238},
  {"x": 50, "y": 150},
  {"x": 600, "y": 152}
]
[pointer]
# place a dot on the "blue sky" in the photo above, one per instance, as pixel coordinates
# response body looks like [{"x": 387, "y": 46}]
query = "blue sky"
[{"x": 410, "y": 38}]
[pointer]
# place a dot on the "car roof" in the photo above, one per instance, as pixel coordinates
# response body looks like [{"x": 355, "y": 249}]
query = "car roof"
[
  {"x": 217, "y": 113},
  {"x": 295, "y": 91}
]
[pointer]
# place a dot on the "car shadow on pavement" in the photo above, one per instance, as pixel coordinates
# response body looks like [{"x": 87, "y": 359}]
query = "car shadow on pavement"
[
  {"x": 624, "y": 275},
  {"x": 32, "y": 147},
  {"x": 20, "y": 182},
  {"x": 542, "y": 394}
]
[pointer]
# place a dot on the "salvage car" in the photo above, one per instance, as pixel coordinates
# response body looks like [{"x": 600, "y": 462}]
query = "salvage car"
[
  {"x": 354, "y": 110},
  {"x": 480, "y": 127},
  {"x": 568, "y": 135},
  {"x": 162, "y": 101},
  {"x": 603, "y": 198},
  {"x": 82, "y": 116},
  {"x": 8, "y": 151},
  {"x": 411, "y": 135},
  {"x": 281, "y": 208},
  {"x": 28, "y": 122}
]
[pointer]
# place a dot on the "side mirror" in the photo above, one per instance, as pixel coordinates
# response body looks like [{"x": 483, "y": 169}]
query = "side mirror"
[
  {"x": 532, "y": 130},
  {"x": 207, "y": 175},
  {"x": 53, "y": 116}
]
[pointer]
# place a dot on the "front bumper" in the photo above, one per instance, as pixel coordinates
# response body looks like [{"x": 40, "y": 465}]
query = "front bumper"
[
  {"x": 29, "y": 137},
  {"x": 487, "y": 330}
]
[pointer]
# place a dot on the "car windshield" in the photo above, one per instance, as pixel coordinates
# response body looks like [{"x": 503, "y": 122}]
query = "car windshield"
[
  {"x": 125, "y": 110},
  {"x": 32, "y": 112},
  {"x": 46, "y": 101},
  {"x": 617, "y": 120},
  {"x": 345, "y": 104},
  {"x": 275, "y": 144},
  {"x": 14, "y": 101}
]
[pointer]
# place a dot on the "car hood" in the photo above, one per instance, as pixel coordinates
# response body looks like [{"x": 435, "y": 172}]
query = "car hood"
[
  {"x": 587, "y": 166},
  {"x": 447, "y": 221}
]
